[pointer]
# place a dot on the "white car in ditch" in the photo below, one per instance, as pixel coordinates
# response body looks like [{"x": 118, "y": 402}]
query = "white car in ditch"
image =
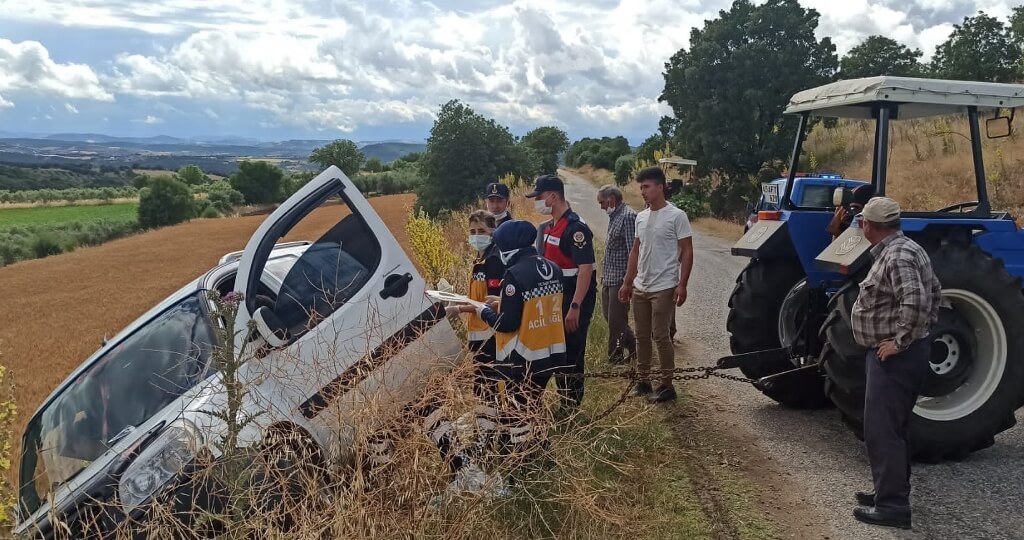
[{"x": 342, "y": 322}]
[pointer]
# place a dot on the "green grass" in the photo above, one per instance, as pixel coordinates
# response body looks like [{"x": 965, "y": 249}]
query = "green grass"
[{"x": 50, "y": 215}]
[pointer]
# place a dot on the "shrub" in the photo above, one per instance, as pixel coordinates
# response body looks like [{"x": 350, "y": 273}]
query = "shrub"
[
  {"x": 165, "y": 202},
  {"x": 223, "y": 197},
  {"x": 259, "y": 182},
  {"x": 388, "y": 185},
  {"x": 209, "y": 213},
  {"x": 46, "y": 244},
  {"x": 429, "y": 247},
  {"x": 624, "y": 169}
]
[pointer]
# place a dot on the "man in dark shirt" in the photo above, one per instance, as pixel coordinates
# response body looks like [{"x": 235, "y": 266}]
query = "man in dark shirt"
[
  {"x": 496, "y": 198},
  {"x": 568, "y": 242}
]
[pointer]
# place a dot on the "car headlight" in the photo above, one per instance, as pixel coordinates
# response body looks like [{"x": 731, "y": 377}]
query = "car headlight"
[{"x": 159, "y": 463}]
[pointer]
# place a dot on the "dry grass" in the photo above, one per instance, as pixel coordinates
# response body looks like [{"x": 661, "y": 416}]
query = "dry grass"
[
  {"x": 57, "y": 309},
  {"x": 930, "y": 163},
  {"x": 727, "y": 230}
]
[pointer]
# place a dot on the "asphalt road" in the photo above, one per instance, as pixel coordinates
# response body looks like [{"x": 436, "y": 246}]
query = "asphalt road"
[{"x": 980, "y": 497}]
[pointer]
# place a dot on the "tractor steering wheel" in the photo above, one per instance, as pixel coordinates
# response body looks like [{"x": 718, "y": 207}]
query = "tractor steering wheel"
[{"x": 959, "y": 206}]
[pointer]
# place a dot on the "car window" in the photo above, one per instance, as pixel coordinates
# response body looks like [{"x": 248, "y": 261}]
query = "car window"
[
  {"x": 817, "y": 196},
  {"x": 122, "y": 389},
  {"x": 327, "y": 274}
]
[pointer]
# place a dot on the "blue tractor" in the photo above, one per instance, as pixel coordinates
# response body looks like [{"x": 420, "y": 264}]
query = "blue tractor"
[
  {"x": 809, "y": 189},
  {"x": 789, "y": 315}
]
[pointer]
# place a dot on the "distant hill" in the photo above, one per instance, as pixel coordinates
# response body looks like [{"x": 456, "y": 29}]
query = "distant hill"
[{"x": 390, "y": 151}]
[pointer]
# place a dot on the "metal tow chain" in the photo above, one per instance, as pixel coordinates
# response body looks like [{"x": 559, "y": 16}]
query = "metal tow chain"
[{"x": 631, "y": 375}]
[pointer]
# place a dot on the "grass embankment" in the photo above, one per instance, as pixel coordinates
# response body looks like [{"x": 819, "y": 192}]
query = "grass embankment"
[{"x": 645, "y": 474}]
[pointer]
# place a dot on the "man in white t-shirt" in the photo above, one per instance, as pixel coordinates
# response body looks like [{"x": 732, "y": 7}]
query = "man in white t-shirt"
[{"x": 659, "y": 269}]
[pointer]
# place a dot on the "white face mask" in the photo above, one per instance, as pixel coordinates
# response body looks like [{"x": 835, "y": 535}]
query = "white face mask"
[
  {"x": 507, "y": 255},
  {"x": 541, "y": 207},
  {"x": 501, "y": 216},
  {"x": 479, "y": 241},
  {"x": 611, "y": 209}
]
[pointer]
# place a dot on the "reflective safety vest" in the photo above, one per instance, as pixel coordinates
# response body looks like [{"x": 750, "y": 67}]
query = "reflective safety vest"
[
  {"x": 529, "y": 326},
  {"x": 485, "y": 280}
]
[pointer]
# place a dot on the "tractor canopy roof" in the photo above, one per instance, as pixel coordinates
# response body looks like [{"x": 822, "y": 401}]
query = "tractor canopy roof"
[
  {"x": 912, "y": 98},
  {"x": 676, "y": 160}
]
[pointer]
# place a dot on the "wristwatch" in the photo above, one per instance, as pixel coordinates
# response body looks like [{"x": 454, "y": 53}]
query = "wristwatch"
[{"x": 574, "y": 305}]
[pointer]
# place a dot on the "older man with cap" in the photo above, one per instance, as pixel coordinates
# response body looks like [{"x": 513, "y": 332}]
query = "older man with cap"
[
  {"x": 496, "y": 198},
  {"x": 898, "y": 302}
]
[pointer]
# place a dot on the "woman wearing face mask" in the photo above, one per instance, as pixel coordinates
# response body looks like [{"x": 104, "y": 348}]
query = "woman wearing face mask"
[{"x": 484, "y": 281}]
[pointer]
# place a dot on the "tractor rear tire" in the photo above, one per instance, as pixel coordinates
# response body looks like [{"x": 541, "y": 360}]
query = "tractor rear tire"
[
  {"x": 977, "y": 378},
  {"x": 753, "y": 323}
]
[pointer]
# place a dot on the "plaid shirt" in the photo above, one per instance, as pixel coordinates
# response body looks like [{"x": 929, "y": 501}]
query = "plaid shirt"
[
  {"x": 900, "y": 297},
  {"x": 621, "y": 232}
]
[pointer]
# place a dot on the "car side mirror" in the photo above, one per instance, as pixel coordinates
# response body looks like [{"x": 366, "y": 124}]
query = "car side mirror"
[{"x": 270, "y": 328}]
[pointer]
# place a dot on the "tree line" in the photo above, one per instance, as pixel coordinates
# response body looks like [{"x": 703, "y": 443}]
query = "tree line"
[{"x": 728, "y": 89}]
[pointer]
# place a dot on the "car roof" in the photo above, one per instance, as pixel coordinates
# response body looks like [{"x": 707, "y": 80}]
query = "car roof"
[{"x": 913, "y": 97}]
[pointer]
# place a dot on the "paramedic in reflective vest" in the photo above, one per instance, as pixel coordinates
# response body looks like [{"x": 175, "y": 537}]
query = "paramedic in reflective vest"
[
  {"x": 484, "y": 281},
  {"x": 568, "y": 242},
  {"x": 527, "y": 319},
  {"x": 496, "y": 198}
]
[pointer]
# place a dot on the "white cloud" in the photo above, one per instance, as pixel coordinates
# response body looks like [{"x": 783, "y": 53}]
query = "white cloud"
[
  {"x": 150, "y": 119},
  {"x": 4, "y": 104},
  {"x": 592, "y": 67},
  {"x": 70, "y": 108},
  {"x": 27, "y": 69}
]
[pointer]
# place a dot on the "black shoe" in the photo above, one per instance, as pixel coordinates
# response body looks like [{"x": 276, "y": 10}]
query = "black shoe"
[
  {"x": 885, "y": 518},
  {"x": 663, "y": 394},
  {"x": 865, "y": 498},
  {"x": 641, "y": 390}
]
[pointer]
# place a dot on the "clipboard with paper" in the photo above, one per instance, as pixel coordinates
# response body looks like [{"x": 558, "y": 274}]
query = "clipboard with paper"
[{"x": 454, "y": 298}]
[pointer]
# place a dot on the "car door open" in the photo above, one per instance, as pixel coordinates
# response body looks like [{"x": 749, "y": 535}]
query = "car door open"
[{"x": 348, "y": 308}]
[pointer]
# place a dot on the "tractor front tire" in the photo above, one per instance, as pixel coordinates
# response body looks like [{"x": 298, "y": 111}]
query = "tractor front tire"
[
  {"x": 753, "y": 325},
  {"x": 976, "y": 381}
]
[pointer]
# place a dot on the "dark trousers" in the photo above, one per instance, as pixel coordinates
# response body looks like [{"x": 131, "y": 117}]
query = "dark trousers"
[
  {"x": 620, "y": 335},
  {"x": 571, "y": 388},
  {"x": 892, "y": 389}
]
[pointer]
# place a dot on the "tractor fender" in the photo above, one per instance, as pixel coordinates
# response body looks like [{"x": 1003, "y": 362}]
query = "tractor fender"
[
  {"x": 847, "y": 254},
  {"x": 766, "y": 239}
]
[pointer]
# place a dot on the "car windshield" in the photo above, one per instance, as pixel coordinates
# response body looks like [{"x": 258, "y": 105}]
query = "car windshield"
[{"x": 120, "y": 390}]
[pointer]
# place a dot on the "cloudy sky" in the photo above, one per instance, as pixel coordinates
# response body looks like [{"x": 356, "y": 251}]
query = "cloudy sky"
[{"x": 374, "y": 69}]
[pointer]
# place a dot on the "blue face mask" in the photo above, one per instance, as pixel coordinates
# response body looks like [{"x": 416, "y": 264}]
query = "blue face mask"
[{"x": 479, "y": 241}]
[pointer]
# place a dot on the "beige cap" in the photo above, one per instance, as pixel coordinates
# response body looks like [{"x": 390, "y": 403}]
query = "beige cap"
[{"x": 881, "y": 210}]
